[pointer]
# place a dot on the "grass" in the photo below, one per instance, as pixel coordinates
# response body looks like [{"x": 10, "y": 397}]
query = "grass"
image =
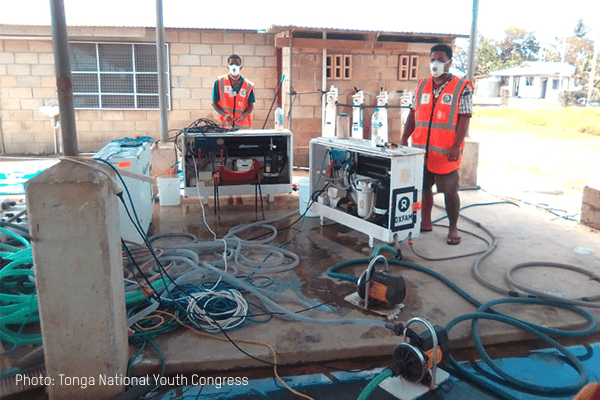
[{"x": 557, "y": 123}]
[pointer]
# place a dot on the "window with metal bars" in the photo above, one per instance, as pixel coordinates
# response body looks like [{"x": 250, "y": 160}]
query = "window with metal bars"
[
  {"x": 115, "y": 75},
  {"x": 339, "y": 66},
  {"x": 408, "y": 67}
]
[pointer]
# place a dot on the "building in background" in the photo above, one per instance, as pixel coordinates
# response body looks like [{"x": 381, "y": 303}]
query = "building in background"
[
  {"x": 528, "y": 80},
  {"x": 115, "y": 81}
]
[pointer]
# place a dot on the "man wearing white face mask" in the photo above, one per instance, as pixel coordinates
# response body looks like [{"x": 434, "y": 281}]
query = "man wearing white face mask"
[
  {"x": 233, "y": 96},
  {"x": 438, "y": 122}
]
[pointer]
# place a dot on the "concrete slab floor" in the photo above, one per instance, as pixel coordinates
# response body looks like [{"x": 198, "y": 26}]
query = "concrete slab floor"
[{"x": 524, "y": 234}]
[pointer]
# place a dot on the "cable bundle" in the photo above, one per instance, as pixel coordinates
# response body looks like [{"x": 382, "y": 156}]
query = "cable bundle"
[{"x": 216, "y": 311}]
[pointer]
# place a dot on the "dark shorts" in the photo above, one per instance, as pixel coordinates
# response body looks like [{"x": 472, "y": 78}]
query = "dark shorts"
[{"x": 445, "y": 183}]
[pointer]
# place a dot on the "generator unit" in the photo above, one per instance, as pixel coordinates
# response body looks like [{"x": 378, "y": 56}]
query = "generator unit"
[
  {"x": 133, "y": 155},
  {"x": 374, "y": 190},
  {"x": 203, "y": 152}
]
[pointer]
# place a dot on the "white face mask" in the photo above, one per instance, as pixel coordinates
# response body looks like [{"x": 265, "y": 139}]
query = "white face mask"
[
  {"x": 437, "y": 68},
  {"x": 234, "y": 70}
]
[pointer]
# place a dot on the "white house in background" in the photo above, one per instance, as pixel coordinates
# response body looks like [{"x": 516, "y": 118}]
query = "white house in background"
[{"x": 534, "y": 80}]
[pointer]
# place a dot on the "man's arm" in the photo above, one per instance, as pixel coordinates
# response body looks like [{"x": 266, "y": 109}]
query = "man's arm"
[
  {"x": 215, "y": 103},
  {"x": 465, "y": 110},
  {"x": 409, "y": 128},
  {"x": 462, "y": 127},
  {"x": 247, "y": 112},
  {"x": 222, "y": 112}
]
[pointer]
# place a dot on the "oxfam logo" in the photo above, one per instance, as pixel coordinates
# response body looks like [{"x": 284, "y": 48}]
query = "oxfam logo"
[{"x": 404, "y": 204}]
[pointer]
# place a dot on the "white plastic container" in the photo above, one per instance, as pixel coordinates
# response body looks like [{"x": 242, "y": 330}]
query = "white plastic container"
[
  {"x": 364, "y": 193},
  {"x": 278, "y": 119},
  {"x": 376, "y": 128},
  {"x": 304, "y": 197},
  {"x": 169, "y": 190}
]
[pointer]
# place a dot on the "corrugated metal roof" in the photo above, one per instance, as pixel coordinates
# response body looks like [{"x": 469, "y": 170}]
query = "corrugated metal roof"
[{"x": 272, "y": 29}]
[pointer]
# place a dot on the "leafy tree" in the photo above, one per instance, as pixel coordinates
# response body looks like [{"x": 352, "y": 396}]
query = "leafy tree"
[
  {"x": 580, "y": 51},
  {"x": 580, "y": 29},
  {"x": 518, "y": 45},
  {"x": 489, "y": 58}
]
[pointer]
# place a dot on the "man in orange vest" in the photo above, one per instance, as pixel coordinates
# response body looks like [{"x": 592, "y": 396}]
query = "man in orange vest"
[
  {"x": 438, "y": 123},
  {"x": 233, "y": 96}
]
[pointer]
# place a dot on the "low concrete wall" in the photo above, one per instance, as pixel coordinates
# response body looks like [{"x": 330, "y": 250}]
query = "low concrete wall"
[
  {"x": 469, "y": 164},
  {"x": 590, "y": 207}
]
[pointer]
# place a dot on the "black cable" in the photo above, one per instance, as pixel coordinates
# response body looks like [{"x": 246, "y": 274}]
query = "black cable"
[
  {"x": 274, "y": 99},
  {"x": 134, "y": 262}
]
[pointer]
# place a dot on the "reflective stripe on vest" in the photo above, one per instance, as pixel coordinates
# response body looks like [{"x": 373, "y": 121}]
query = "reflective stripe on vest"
[
  {"x": 434, "y": 148},
  {"x": 229, "y": 99}
]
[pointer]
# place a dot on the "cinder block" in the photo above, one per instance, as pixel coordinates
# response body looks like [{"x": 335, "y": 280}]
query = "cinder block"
[
  {"x": 243, "y": 49},
  {"x": 211, "y": 37},
  {"x": 146, "y": 126},
  {"x": 179, "y": 48},
  {"x": 222, "y": 49},
  {"x": 8, "y": 81},
  {"x": 45, "y": 93},
  {"x": 200, "y": 49},
  {"x": 101, "y": 126},
  {"x": 233, "y": 37},
  {"x": 41, "y": 46},
  {"x": 24, "y": 115},
  {"x": 127, "y": 127},
  {"x": 42, "y": 70},
  {"x": 187, "y": 59},
  {"x": 179, "y": 93},
  {"x": 31, "y": 104},
  {"x": 590, "y": 207},
  {"x": 190, "y": 82},
  {"x": 591, "y": 196},
  {"x": 18, "y": 69},
  {"x": 178, "y": 71},
  {"x": 26, "y": 58},
  {"x": 256, "y": 39},
  {"x": 7, "y": 58},
  {"x": 189, "y": 36},
  {"x": 213, "y": 61},
  {"x": 17, "y": 46},
  {"x": 46, "y": 58}
]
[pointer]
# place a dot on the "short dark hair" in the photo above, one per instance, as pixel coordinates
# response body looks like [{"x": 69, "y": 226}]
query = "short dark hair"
[
  {"x": 443, "y": 47},
  {"x": 235, "y": 57}
]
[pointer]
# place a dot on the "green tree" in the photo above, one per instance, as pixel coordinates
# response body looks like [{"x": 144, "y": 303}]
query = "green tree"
[
  {"x": 580, "y": 51},
  {"x": 518, "y": 45}
]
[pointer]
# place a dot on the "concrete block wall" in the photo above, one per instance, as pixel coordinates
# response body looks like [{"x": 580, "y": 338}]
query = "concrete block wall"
[
  {"x": 590, "y": 207},
  {"x": 370, "y": 72},
  {"x": 27, "y": 82},
  {"x": 196, "y": 59}
]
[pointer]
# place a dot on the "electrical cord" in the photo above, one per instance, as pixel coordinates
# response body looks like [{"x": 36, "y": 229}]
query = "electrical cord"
[
  {"x": 412, "y": 248},
  {"x": 263, "y": 344}
]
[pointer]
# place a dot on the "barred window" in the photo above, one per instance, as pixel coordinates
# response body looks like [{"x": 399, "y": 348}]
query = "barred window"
[
  {"x": 339, "y": 66},
  {"x": 115, "y": 75}
]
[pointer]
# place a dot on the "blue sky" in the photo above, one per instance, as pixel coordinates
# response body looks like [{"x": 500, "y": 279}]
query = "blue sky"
[{"x": 547, "y": 19}]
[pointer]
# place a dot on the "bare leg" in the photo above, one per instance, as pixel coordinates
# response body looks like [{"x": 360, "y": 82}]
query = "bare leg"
[
  {"x": 426, "y": 224},
  {"x": 452, "y": 209}
]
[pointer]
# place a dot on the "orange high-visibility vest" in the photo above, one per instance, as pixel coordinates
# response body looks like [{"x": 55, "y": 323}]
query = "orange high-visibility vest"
[
  {"x": 435, "y": 124},
  {"x": 230, "y": 101}
]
